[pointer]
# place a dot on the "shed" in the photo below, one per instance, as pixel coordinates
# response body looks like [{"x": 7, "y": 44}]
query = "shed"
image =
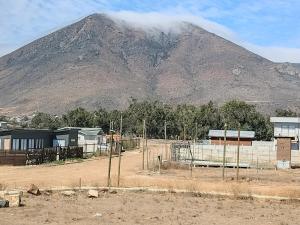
[{"x": 217, "y": 137}]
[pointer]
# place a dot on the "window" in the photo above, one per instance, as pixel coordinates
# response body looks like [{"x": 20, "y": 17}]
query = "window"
[
  {"x": 292, "y": 130},
  {"x": 16, "y": 144},
  {"x": 31, "y": 143},
  {"x": 285, "y": 130},
  {"x": 23, "y": 144}
]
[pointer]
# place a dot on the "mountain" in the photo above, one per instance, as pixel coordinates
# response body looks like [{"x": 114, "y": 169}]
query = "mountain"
[{"x": 102, "y": 62}]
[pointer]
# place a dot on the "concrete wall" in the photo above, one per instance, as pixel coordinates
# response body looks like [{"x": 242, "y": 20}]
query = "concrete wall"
[{"x": 256, "y": 156}]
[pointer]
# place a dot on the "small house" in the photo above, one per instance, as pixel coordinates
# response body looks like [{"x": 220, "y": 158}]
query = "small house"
[
  {"x": 90, "y": 138},
  {"x": 23, "y": 139},
  {"x": 286, "y": 134},
  {"x": 217, "y": 137}
]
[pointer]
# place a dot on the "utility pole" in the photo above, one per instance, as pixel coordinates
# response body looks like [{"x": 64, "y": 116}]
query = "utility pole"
[
  {"x": 143, "y": 162},
  {"x": 147, "y": 152},
  {"x": 166, "y": 151},
  {"x": 238, "y": 154},
  {"x": 120, "y": 149},
  {"x": 196, "y": 132},
  {"x": 110, "y": 156},
  {"x": 224, "y": 152}
]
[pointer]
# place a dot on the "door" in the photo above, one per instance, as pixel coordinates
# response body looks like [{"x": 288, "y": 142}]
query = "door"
[
  {"x": 284, "y": 149},
  {"x": 7, "y": 144}
]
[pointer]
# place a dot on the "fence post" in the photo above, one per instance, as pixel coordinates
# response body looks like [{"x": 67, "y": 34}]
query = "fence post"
[
  {"x": 143, "y": 158},
  {"x": 224, "y": 152},
  {"x": 120, "y": 150},
  {"x": 238, "y": 154},
  {"x": 166, "y": 151},
  {"x": 110, "y": 156}
]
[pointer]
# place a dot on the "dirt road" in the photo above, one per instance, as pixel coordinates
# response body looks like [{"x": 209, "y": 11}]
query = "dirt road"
[
  {"x": 94, "y": 173},
  {"x": 145, "y": 208}
]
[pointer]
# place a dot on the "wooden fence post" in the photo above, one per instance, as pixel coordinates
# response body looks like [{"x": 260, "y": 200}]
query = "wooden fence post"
[
  {"x": 120, "y": 150},
  {"x": 224, "y": 152},
  {"x": 109, "y": 162},
  {"x": 238, "y": 154}
]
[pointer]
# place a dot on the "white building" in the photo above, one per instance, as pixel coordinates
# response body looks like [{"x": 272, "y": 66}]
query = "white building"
[
  {"x": 91, "y": 139},
  {"x": 287, "y": 127}
]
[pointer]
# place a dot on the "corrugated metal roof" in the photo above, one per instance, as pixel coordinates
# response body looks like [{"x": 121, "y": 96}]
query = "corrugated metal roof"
[
  {"x": 90, "y": 131},
  {"x": 285, "y": 119},
  {"x": 231, "y": 133}
]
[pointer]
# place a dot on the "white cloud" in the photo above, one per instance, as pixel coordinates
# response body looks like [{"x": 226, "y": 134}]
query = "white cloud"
[
  {"x": 169, "y": 21},
  {"x": 21, "y": 21}
]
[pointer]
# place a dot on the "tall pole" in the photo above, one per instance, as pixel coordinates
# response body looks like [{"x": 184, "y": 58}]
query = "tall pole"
[
  {"x": 147, "y": 152},
  {"x": 110, "y": 156},
  {"x": 143, "y": 160},
  {"x": 166, "y": 151},
  {"x": 224, "y": 152},
  {"x": 238, "y": 154},
  {"x": 196, "y": 133},
  {"x": 120, "y": 149},
  {"x": 184, "y": 132}
]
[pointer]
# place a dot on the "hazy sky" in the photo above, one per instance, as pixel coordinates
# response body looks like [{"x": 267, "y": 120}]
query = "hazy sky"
[{"x": 270, "y": 28}]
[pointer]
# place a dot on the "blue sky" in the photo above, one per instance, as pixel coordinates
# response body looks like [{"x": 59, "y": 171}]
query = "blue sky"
[{"x": 270, "y": 28}]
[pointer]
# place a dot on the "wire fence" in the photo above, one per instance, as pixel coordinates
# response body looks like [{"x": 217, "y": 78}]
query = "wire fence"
[
  {"x": 212, "y": 155},
  {"x": 103, "y": 148}
]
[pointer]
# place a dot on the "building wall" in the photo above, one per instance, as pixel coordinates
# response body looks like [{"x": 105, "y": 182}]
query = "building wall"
[
  {"x": 231, "y": 141},
  {"x": 287, "y": 130},
  {"x": 30, "y": 139}
]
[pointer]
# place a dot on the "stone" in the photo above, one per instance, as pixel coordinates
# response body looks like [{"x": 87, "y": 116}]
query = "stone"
[
  {"x": 68, "y": 193},
  {"x": 4, "y": 203},
  {"x": 33, "y": 189},
  {"x": 112, "y": 192},
  {"x": 14, "y": 198},
  {"x": 93, "y": 194}
]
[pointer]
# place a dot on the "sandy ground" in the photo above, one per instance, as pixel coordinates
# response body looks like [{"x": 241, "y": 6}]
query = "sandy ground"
[
  {"x": 93, "y": 172},
  {"x": 148, "y": 208}
]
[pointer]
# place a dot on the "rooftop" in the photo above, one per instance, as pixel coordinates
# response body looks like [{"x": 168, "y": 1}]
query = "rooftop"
[
  {"x": 231, "y": 134},
  {"x": 285, "y": 119}
]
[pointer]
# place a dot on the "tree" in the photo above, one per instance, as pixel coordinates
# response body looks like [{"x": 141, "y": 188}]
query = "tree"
[
  {"x": 44, "y": 120},
  {"x": 286, "y": 113},
  {"x": 238, "y": 112},
  {"x": 79, "y": 118}
]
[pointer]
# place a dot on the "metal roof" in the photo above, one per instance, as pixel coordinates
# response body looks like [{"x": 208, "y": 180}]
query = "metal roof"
[
  {"x": 285, "y": 119},
  {"x": 90, "y": 131},
  {"x": 231, "y": 134}
]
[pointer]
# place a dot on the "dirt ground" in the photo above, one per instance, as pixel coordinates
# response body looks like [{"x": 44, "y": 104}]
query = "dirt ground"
[
  {"x": 148, "y": 208},
  {"x": 93, "y": 172}
]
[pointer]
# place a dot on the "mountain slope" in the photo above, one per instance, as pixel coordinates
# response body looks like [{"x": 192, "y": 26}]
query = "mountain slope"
[{"x": 99, "y": 61}]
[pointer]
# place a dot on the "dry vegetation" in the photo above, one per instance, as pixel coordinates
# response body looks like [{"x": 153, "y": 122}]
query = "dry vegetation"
[
  {"x": 93, "y": 172},
  {"x": 148, "y": 208},
  {"x": 239, "y": 206}
]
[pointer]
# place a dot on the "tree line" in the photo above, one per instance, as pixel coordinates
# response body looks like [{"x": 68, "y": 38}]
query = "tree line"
[{"x": 183, "y": 120}]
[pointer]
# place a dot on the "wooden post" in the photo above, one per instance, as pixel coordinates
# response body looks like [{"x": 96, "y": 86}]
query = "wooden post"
[
  {"x": 166, "y": 150},
  {"x": 110, "y": 156},
  {"x": 159, "y": 163},
  {"x": 224, "y": 152},
  {"x": 147, "y": 152},
  {"x": 120, "y": 150},
  {"x": 192, "y": 161},
  {"x": 143, "y": 162},
  {"x": 238, "y": 154},
  {"x": 184, "y": 132}
]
